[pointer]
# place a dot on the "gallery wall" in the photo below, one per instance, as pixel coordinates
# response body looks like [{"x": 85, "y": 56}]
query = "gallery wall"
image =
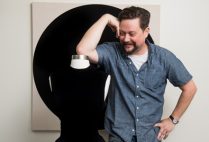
[{"x": 183, "y": 30}]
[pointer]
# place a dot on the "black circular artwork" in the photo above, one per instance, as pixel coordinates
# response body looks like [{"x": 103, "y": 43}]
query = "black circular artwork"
[{"x": 76, "y": 97}]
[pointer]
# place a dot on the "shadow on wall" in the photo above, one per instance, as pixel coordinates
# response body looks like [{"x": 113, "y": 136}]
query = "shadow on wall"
[{"x": 76, "y": 97}]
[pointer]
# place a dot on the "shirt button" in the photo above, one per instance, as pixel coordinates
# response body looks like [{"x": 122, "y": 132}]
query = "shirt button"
[
  {"x": 137, "y": 107},
  {"x": 137, "y": 96},
  {"x": 137, "y": 74},
  {"x": 129, "y": 62},
  {"x": 137, "y": 86},
  {"x": 133, "y": 130},
  {"x": 137, "y": 120}
]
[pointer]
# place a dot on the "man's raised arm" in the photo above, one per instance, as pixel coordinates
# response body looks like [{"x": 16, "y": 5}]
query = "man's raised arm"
[{"x": 87, "y": 45}]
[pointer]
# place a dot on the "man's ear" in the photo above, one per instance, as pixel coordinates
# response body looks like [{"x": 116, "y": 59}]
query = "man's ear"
[{"x": 146, "y": 32}]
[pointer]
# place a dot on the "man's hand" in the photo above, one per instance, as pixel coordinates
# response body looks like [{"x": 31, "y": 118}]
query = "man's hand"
[
  {"x": 166, "y": 126},
  {"x": 113, "y": 23}
]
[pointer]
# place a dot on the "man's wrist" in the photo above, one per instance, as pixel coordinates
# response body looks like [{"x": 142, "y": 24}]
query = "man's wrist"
[{"x": 173, "y": 120}]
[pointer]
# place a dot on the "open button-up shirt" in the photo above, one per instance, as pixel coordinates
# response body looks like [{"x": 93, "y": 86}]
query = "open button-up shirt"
[{"x": 136, "y": 97}]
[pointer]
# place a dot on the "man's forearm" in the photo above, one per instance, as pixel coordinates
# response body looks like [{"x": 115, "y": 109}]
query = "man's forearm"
[
  {"x": 188, "y": 92},
  {"x": 92, "y": 36}
]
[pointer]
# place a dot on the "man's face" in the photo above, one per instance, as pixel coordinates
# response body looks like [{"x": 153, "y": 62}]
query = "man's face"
[{"x": 132, "y": 36}]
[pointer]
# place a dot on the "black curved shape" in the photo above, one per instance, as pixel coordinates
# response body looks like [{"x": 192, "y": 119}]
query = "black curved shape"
[{"x": 77, "y": 96}]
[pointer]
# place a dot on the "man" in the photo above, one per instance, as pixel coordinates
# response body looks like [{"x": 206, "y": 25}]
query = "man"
[{"x": 139, "y": 71}]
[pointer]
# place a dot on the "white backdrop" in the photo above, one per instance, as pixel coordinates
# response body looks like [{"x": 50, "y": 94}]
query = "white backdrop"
[{"x": 183, "y": 30}]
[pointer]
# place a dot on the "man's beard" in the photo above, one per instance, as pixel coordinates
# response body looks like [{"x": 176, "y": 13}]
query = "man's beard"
[{"x": 134, "y": 49}]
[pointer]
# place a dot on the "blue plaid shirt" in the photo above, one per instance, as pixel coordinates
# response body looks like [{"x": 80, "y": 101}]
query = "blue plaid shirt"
[{"x": 136, "y": 97}]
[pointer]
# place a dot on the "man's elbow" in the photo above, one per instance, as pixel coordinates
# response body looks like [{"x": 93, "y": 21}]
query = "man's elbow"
[
  {"x": 194, "y": 89},
  {"x": 80, "y": 50},
  {"x": 190, "y": 88}
]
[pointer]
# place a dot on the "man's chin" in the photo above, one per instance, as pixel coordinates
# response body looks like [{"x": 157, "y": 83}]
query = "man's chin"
[
  {"x": 129, "y": 52},
  {"x": 128, "y": 49}
]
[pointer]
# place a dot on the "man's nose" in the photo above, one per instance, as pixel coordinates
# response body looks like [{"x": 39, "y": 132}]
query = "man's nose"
[{"x": 126, "y": 38}]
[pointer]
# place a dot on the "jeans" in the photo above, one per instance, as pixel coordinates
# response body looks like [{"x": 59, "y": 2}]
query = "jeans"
[
  {"x": 116, "y": 139},
  {"x": 82, "y": 138}
]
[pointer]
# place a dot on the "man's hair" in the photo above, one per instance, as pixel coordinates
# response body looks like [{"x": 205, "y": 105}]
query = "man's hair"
[{"x": 136, "y": 12}]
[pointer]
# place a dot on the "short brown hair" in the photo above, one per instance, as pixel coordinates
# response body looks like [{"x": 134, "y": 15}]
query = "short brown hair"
[{"x": 136, "y": 12}]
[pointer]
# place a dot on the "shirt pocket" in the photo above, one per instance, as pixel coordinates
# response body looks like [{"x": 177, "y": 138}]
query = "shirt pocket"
[{"x": 154, "y": 78}]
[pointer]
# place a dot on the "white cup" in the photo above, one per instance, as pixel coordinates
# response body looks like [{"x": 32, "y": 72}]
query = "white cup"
[{"x": 79, "y": 62}]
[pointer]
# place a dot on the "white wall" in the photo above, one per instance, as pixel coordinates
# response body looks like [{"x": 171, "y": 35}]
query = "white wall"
[{"x": 184, "y": 30}]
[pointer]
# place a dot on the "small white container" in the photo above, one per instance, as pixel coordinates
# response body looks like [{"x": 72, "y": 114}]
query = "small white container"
[{"x": 79, "y": 62}]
